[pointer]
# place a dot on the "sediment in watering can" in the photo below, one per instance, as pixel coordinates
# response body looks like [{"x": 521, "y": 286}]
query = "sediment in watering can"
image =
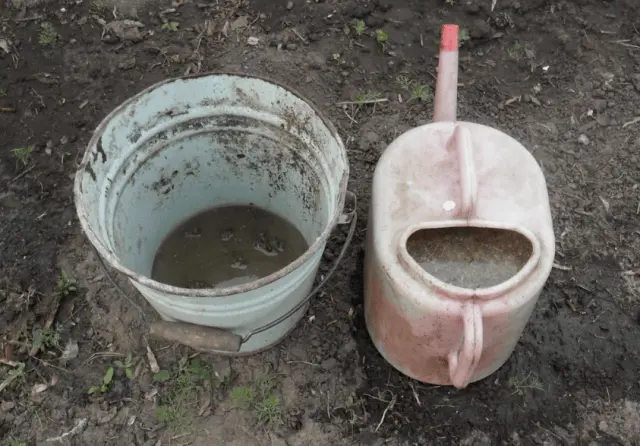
[
  {"x": 187, "y": 145},
  {"x": 459, "y": 245}
]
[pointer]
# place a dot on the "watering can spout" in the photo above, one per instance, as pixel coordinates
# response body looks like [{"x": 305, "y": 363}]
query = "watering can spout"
[{"x": 446, "y": 98}]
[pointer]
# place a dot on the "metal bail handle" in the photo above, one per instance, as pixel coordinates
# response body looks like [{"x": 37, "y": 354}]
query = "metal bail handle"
[
  {"x": 463, "y": 362},
  {"x": 224, "y": 342}
]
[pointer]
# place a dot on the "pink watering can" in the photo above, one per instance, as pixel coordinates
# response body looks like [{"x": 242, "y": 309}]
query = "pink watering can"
[{"x": 459, "y": 246}]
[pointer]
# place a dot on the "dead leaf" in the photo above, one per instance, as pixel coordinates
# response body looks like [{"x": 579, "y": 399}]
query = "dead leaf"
[
  {"x": 8, "y": 350},
  {"x": 106, "y": 417},
  {"x": 138, "y": 369},
  {"x": 46, "y": 78},
  {"x": 240, "y": 22},
  {"x": 150, "y": 395},
  {"x": 5, "y": 45},
  {"x": 205, "y": 406},
  {"x": 529, "y": 53},
  {"x": 605, "y": 203},
  {"x": 153, "y": 362},
  {"x": 512, "y": 100},
  {"x": 70, "y": 350},
  {"x": 38, "y": 388},
  {"x": 222, "y": 28}
]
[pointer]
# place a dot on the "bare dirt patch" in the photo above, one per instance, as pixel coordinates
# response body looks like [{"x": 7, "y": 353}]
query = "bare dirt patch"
[{"x": 562, "y": 77}]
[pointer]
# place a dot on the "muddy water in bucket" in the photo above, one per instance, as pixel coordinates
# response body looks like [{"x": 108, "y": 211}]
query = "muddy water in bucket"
[
  {"x": 227, "y": 246},
  {"x": 470, "y": 257}
]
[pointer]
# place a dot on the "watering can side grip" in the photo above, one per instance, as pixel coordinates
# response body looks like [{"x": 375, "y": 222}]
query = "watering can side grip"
[{"x": 463, "y": 362}]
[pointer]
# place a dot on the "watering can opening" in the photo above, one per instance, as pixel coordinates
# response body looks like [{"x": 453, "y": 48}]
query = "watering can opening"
[{"x": 470, "y": 260}]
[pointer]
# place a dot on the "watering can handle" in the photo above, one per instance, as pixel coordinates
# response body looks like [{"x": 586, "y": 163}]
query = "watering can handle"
[
  {"x": 463, "y": 362},
  {"x": 224, "y": 342}
]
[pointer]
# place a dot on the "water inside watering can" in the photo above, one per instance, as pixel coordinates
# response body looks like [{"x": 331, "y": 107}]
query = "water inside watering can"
[
  {"x": 470, "y": 257},
  {"x": 226, "y": 246}
]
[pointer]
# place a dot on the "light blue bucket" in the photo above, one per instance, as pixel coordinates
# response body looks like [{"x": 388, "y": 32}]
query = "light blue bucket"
[{"x": 185, "y": 145}]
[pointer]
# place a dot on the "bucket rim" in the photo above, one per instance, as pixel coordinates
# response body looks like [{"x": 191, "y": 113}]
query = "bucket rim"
[{"x": 113, "y": 261}]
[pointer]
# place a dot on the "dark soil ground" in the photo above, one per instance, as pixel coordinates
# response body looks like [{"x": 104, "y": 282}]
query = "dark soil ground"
[{"x": 562, "y": 77}]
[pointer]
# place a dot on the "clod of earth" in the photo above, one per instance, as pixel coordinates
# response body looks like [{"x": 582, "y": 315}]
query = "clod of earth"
[{"x": 125, "y": 30}]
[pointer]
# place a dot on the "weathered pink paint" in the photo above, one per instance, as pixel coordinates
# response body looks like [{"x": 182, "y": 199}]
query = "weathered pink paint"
[{"x": 452, "y": 174}]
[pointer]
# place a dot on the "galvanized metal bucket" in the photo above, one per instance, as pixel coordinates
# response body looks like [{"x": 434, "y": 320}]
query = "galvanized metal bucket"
[{"x": 185, "y": 145}]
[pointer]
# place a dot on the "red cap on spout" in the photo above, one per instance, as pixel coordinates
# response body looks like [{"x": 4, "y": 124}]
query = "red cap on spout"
[
  {"x": 446, "y": 99},
  {"x": 449, "y": 38}
]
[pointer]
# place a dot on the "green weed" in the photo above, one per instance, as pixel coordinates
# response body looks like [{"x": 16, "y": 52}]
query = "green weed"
[
  {"x": 175, "y": 414},
  {"x": 12, "y": 441},
  {"x": 3, "y": 93},
  {"x": 14, "y": 376},
  {"x": 366, "y": 97},
  {"x": 518, "y": 384},
  {"x": 162, "y": 376},
  {"x": 98, "y": 7},
  {"x": 463, "y": 35},
  {"x": 126, "y": 365},
  {"x": 260, "y": 398},
  {"x": 268, "y": 411},
  {"x": 338, "y": 59},
  {"x": 48, "y": 35},
  {"x": 360, "y": 27},
  {"x": 66, "y": 284},
  {"x": 382, "y": 37},
  {"x": 46, "y": 338},
  {"x": 421, "y": 92},
  {"x": 243, "y": 397},
  {"x": 417, "y": 90},
  {"x": 106, "y": 382},
  {"x": 450, "y": 2},
  {"x": 23, "y": 154},
  {"x": 170, "y": 26},
  {"x": 175, "y": 411},
  {"x": 404, "y": 82},
  {"x": 515, "y": 51}
]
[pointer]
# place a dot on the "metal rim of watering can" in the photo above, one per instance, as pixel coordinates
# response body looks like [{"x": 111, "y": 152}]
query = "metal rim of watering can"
[
  {"x": 106, "y": 254},
  {"x": 350, "y": 218}
]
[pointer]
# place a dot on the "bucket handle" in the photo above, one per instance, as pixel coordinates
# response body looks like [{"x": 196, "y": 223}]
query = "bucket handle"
[
  {"x": 220, "y": 341},
  {"x": 463, "y": 361}
]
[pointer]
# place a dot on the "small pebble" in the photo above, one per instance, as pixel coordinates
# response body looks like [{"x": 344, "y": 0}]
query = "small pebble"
[
  {"x": 582, "y": 139},
  {"x": 290, "y": 6},
  {"x": 6, "y": 406},
  {"x": 600, "y": 105},
  {"x": 329, "y": 364},
  {"x": 603, "y": 120}
]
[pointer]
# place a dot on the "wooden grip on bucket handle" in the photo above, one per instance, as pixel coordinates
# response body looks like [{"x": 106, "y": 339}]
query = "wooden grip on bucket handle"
[
  {"x": 463, "y": 362},
  {"x": 198, "y": 337}
]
